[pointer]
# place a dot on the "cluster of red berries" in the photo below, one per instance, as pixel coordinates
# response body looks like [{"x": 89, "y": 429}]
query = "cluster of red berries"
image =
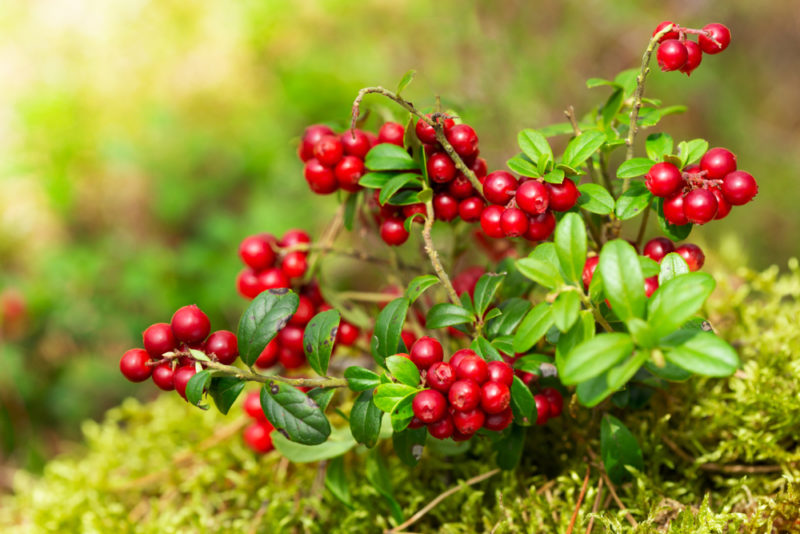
[
  {"x": 701, "y": 192},
  {"x": 188, "y": 329},
  {"x": 677, "y": 52},
  {"x": 257, "y": 434},
  {"x": 271, "y": 263}
]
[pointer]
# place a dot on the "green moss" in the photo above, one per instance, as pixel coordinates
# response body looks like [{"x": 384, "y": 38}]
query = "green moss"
[{"x": 165, "y": 467}]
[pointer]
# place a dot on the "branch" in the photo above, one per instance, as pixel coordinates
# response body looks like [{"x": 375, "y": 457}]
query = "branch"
[
  {"x": 579, "y": 502},
  {"x": 595, "y": 311},
  {"x": 643, "y": 226},
  {"x": 433, "y": 255}
]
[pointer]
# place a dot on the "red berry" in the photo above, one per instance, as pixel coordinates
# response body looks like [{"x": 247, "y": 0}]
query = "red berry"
[
  {"x": 739, "y": 188},
  {"x": 256, "y": 251},
  {"x": 441, "y": 168},
  {"x": 718, "y": 162},
  {"x": 190, "y": 325},
  {"x": 663, "y": 179},
  {"x": 408, "y": 338},
  {"x": 514, "y": 222},
  {"x": 158, "y": 339},
  {"x": 468, "y": 422},
  {"x": 464, "y": 395},
  {"x": 426, "y": 133},
  {"x": 671, "y": 55},
  {"x": 562, "y": 197},
  {"x": 673, "y": 210},
  {"x": 429, "y": 405},
  {"x": 495, "y": 397},
  {"x": 162, "y": 376},
  {"x": 329, "y": 150},
  {"x": 181, "y": 378},
  {"x": 294, "y": 264},
  {"x": 533, "y": 197},
  {"x": 541, "y": 226},
  {"x": 491, "y": 221},
  {"x": 392, "y": 132},
  {"x": 247, "y": 284},
  {"x": 416, "y": 422},
  {"x": 252, "y": 406},
  {"x": 671, "y": 34},
  {"x": 473, "y": 368},
  {"x": 588, "y": 270},
  {"x": 650, "y": 285},
  {"x": 347, "y": 333},
  {"x": 723, "y": 206},
  {"x": 348, "y": 172},
  {"x": 321, "y": 180},
  {"x": 470, "y": 209},
  {"x": 441, "y": 376},
  {"x": 223, "y": 345},
  {"x": 133, "y": 365},
  {"x": 499, "y": 421},
  {"x": 500, "y": 372},
  {"x": 355, "y": 143},
  {"x": 426, "y": 351},
  {"x": 542, "y": 408},
  {"x": 455, "y": 359},
  {"x": 460, "y": 187},
  {"x": 414, "y": 209},
  {"x": 257, "y": 436},
  {"x": 268, "y": 356},
  {"x": 555, "y": 401},
  {"x": 272, "y": 279},
  {"x": 312, "y": 134},
  {"x": 445, "y": 207},
  {"x": 693, "y": 255},
  {"x": 443, "y": 428},
  {"x": 658, "y": 247},
  {"x": 719, "y": 33},
  {"x": 291, "y": 337},
  {"x": 291, "y": 359},
  {"x": 694, "y": 55},
  {"x": 499, "y": 187},
  {"x": 393, "y": 232},
  {"x": 700, "y": 206},
  {"x": 464, "y": 139},
  {"x": 479, "y": 168},
  {"x": 304, "y": 313},
  {"x": 294, "y": 237}
]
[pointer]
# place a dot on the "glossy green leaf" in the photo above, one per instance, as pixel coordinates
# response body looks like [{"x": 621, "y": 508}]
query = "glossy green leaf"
[
  {"x": 378, "y": 476},
  {"x": 582, "y": 147},
  {"x": 522, "y": 403},
  {"x": 267, "y": 314},
  {"x": 532, "y": 363},
  {"x": 649, "y": 266},
  {"x": 595, "y": 356},
  {"x": 596, "y": 199},
  {"x": 336, "y": 481},
  {"x": 388, "y": 395},
  {"x": 339, "y": 443},
  {"x": 318, "y": 339},
  {"x": 677, "y": 301},
  {"x": 403, "y": 369},
  {"x": 673, "y": 232},
  {"x": 672, "y": 265},
  {"x": 485, "y": 290},
  {"x": 570, "y": 242},
  {"x": 556, "y": 176},
  {"x": 375, "y": 180},
  {"x": 402, "y": 413},
  {"x": 534, "y": 145},
  {"x": 388, "y": 327},
  {"x": 409, "y": 444},
  {"x": 612, "y": 107},
  {"x": 350, "y": 208},
  {"x": 593, "y": 391},
  {"x": 691, "y": 151},
  {"x": 197, "y": 386},
  {"x": 486, "y": 350},
  {"x": 294, "y": 414},
  {"x": 397, "y": 183},
  {"x": 365, "y": 419},
  {"x": 565, "y": 310},
  {"x": 618, "y": 448},
  {"x": 514, "y": 310},
  {"x": 633, "y": 202},
  {"x": 418, "y": 285},
  {"x": 446, "y": 314},
  {"x": 620, "y": 374},
  {"x": 389, "y": 157},
  {"x": 634, "y": 167},
  {"x": 509, "y": 447},
  {"x": 407, "y": 78},
  {"x": 225, "y": 390},
  {"x": 359, "y": 379},
  {"x": 533, "y": 327},
  {"x": 322, "y": 396},
  {"x": 523, "y": 167},
  {"x": 702, "y": 353},
  {"x": 623, "y": 283},
  {"x": 543, "y": 273},
  {"x": 658, "y": 145}
]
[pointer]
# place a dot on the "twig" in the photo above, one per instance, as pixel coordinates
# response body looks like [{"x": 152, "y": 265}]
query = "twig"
[
  {"x": 433, "y": 254},
  {"x": 722, "y": 468},
  {"x": 613, "y": 492},
  {"x": 595, "y": 311},
  {"x": 595, "y": 505},
  {"x": 643, "y": 226},
  {"x": 579, "y": 502},
  {"x": 428, "y": 507}
]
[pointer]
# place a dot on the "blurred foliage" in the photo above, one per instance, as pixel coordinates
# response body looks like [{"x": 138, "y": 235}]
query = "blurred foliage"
[
  {"x": 142, "y": 140},
  {"x": 167, "y": 467}
]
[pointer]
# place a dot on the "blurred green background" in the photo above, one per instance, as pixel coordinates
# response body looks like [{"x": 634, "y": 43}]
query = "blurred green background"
[{"x": 140, "y": 141}]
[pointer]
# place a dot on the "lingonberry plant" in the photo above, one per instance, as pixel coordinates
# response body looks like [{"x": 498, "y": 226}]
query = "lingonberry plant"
[{"x": 568, "y": 305}]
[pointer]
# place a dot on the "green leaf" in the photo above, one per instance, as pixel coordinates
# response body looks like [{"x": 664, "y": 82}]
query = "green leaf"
[
  {"x": 570, "y": 241},
  {"x": 634, "y": 167},
  {"x": 514, "y": 310},
  {"x": 225, "y": 390},
  {"x": 595, "y": 356},
  {"x": 532, "y": 363},
  {"x": 543, "y": 273},
  {"x": 691, "y": 151},
  {"x": 522, "y": 403},
  {"x": 612, "y": 107},
  {"x": 418, "y": 285},
  {"x": 402, "y": 413},
  {"x": 403, "y": 370},
  {"x": 446, "y": 314},
  {"x": 619, "y": 375},
  {"x": 556, "y": 176},
  {"x": 702, "y": 353},
  {"x": 294, "y": 414},
  {"x": 534, "y": 145},
  {"x": 582, "y": 147},
  {"x": 388, "y": 395},
  {"x": 593, "y": 391},
  {"x": 388, "y": 327},
  {"x": 658, "y": 145},
  {"x": 197, "y": 386},
  {"x": 339, "y": 443},
  {"x": 397, "y": 183},
  {"x": 322, "y": 396},
  {"x": 375, "y": 180},
  {"x": 522, "y": 166},
  {"x": 677, "y": 301},
  {"x": 350, "y": 208},
  {"x": 673, "y": 232},
  {"x": 405, "y": 197},
  {"x": 336, "y": 481},
  {"x": 627, "y": 80},
  {"x": 581, "y": 331},
  {"x": 407, "y": 78},
  {"x": 485, "y": 289},
  {"x": 596, "y": 199},
  {"x": 565, "y": 310},
  {"x": 365, "y": 419},
  {"x": 360, "y": 379},
  {"x": 318, "y": 339},
  {"x": 535, "y": 325},
  {"x": 591, "y": 83},
  {"x": 504, "y": 344},
  {"x": 410, "y": 220},
  {"x": 623, "y": 283},
  {"x": 618, "y": 448},
  {"x": 509, "y": 447},
  {"x": 389, "y": 157},
  {"x": 672, "y": 265},
  {"x": 264, "y": 317},
  {"x": 409, "y": 444},
  {"x": 649, "y": 266},
  {"x": 378, "y": 477},
  {"x": 559, "y": 128},
  {"x": 649, "y": 116},
  {"x": 485, "y": 350},
  {"x": 670, "y": 371}
]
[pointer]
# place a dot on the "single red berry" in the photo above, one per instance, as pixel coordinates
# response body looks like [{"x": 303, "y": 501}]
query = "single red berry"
[
  {"x": 426, "y": 133},
  {"x": 532, "y": 196},
  {"x": 348, "y": 172},
  {"x": 162, "y": 376},
  {"x": 673, "y": 210},
  {"x": 719, "y": 33},
  {"x": 469, "y": 422},
  {"x": 416, "y": 422},
  {"x": 588, "y": 271},
  {"x": 663, "y": 179},
  {"x": 563, "y": 196},
  {"x": 426, "y": 351},
  {"x": 718, "y": 162},
  {"x": 554, "y": 400},
  {"x": 429, "y": 405},
  {"x": 414, "y": 209},
  {"x": 321, "y": 180},
  {"x": 739, "y": 188},
  {"x": 247, "y": 284},
  {"x": 133, "y": 365},
  {"x": 347, "y": 334},
  {"x": 291, "y": 359},
  {"x": 658, "y": 247},
  {"x": 393, "y": 232},
  {"x": 269, "y": 356},
  {"x": 252, "y": 406},
  {"x": 443, "y": 428},
  {"x": 455, "y": 359},
  {"x": 500, "y": 372},
  {"x": 311, "y": 290},
  {"x": 408, "y": 338},
  {"x": 693, "y": 255},
  {"x": 495, "y": 397},
  {"x": 312, "y": 134},
  {"x": 355, "y": 143},
  {"x": 464, "y": 395},
  {"x": 491, "y": 221},
  {"x": 499, "y": 188},
  {"x": 445, "y": 207},
  {"x": 458, "y": 436},
  {"x": 190, "y": 325},
  {"x": 181, "y": 378},
  {"x": 392, "y": 132},
  {"x": 291, "y": 337},
  {"x": 650, "y": 285},
  {"x": 464, "y": 139},
  {"x": 304, "y": 313},
  {"x": 294, "y": 237},
  {"x": 329, "y": 150},
  {"x": 671, "y": 34},
  {"x": 470, "y": 209},
  {"x": 473, "y": 368},
  {"x": 671, "y": 55},
  {"x": 723, "y": 206},
  {"x": 294, "y": 264},
  {"x": 272, "y": 279},
  {"x": 541, "y": 226},
  {"x": 499, "y": 421},
  {"x": 694, "y": 55},
  {"x": 700, "y": 206},
  {"x": 256, "y": 251},
  {"x": 514, "y": 222},
  {"x": 257, "y": 436},
  {"x": 460, "y": 188},
  {"x": 479, "y": 168},
  {"x": 542, "y": 408},
  {"x": 223, "y": 345},
  {"x": 441, "y": 376},
  {"x": 441, "y": 168},
  {"x": 158, "y": 339}
]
